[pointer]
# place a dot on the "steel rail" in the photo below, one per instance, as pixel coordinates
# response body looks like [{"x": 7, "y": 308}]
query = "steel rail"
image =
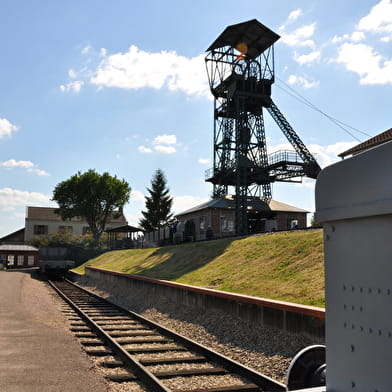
[
  {"x": 140, "y": 371},
  {"x": 265, "y": 382}
]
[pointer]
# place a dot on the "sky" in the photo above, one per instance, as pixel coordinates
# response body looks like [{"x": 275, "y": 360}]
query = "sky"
[{"x": 121, "y": 87}]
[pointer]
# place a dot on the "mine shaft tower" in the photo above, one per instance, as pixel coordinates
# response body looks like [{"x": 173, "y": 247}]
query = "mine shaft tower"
[{"x": 240, "y": 67}]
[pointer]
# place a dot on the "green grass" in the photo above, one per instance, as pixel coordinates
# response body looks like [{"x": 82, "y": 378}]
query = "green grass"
[{"x": 285, "y": 266}]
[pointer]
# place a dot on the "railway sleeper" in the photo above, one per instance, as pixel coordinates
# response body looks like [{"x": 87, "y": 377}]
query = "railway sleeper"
[
  {"x": 126, "y": 377},
  {"x": 140, "y": 340},
  {"x": 130, "y": 333},
  {"x": 158, "y": 349},
  {"x": 190, "y": 372},
  {"x": 99, "y": 351},
  {"x": 230, "y": 388},
  {"x": 173, "y": 360}
]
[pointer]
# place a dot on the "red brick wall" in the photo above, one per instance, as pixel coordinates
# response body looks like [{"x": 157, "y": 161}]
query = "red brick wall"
[{"x": 284, "y": 219}]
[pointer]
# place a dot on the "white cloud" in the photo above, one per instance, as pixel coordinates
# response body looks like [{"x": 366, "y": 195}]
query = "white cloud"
[
  {"x": 356, "y": 36},
  {"x": 324, "y": 155},
  {"x": 183, "y": 203},
  {"x": 364, "y": 61},
  {"x": 13, "y": 197},
  {"x": 6, "y": 127},
  {"x": 72, "y": 86},
  {"x": 137, "y": 196},
  {"x": 386, "y": 39},
  {"x": 165, "y": 149},
  {"x": 327, "y": 155},
  {"x": 204, "y": 161},
  {"x": 301, "y": 81},
  {"x": 28, "y": 165},
  {"x": 300, "y": 36},
  {"x": 165, "y": 139},
  {"x": 11, "y": 163},
  {"x": 164, "y": 144},
  {"x": 86, "y": 50},
  {"x": 307, "y": 58},
  {"x": 138, "y": 69},
  {"x": 144, "y": 150},
  {"x": 72, "y": 74},
  {"x": 294, "y": 15},
  {"x": 379, "y": 19}
]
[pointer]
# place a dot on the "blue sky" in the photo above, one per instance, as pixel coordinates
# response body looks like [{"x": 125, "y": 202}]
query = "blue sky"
[{"x": 121, "y": 87}]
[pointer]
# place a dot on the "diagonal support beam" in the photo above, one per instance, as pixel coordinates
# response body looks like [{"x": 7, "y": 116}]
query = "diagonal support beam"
[{"x": 312, "y": 168}]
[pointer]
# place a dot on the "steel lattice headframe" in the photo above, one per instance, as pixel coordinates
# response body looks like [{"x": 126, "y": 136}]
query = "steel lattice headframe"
[{"x": 240, "y": 68}]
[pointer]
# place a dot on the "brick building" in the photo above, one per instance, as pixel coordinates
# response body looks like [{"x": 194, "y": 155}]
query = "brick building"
[
  {"x": 218, "y": 215},
  {"x": 19, "y": 256}
]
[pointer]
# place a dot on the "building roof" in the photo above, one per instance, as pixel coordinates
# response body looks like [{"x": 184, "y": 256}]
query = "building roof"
[
  {"x": 12, "y": 235},
  {"x": 255, "y": 204},
  {"x": 48, "y": 213},
  {"x": 254, "y": 34},
  {"x": 18, "y": 248},
  {"x": 374, "y": 141},
  {"x": 124, "y": 229}
]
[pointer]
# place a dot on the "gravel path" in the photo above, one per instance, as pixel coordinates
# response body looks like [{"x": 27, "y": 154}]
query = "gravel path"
[{"x": 264, "y": 349}]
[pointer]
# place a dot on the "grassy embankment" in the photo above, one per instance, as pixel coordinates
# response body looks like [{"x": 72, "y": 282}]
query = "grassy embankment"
[{"x": 285, "y": 266}]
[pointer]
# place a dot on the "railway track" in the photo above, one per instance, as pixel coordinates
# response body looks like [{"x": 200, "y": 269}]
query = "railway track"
[{"x": 141, "y": 350}]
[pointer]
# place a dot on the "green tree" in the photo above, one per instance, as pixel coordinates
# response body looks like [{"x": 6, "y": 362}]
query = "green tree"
[
  {"x": 92, "y": 196},
  {"x": 158, "y": 204}
]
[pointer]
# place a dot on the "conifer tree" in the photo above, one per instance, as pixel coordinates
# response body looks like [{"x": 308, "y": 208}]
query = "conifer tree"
[{"x": 158, "y": 204}]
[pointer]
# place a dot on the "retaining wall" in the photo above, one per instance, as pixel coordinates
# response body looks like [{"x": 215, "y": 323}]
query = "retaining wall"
[{"x": 306, "y": 320}]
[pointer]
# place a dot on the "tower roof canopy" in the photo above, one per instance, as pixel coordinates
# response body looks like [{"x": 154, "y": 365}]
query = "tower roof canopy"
[{"x": 251, "y": 37}]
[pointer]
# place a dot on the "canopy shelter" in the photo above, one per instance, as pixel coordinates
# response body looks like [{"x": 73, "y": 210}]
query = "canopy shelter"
[{"x": 132, "y": 237}]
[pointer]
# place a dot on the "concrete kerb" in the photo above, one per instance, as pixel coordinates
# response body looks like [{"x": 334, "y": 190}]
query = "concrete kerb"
[{"x": 293, "y": 318}]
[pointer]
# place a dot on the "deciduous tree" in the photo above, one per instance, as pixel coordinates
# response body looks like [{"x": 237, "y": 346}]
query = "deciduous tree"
[{"x": 93, "y": 196}]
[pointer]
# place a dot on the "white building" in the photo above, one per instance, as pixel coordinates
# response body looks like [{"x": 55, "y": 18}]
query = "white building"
[{"x": 43, "y": 220}]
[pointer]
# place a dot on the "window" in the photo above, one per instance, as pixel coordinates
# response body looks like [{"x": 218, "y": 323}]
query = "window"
[
  {"x": 40, "y": 229},
  {"x": 202, "y": 224},
  {"x": 20, "y": 260},
  {"x": 11, "y": 260},
  {"x": 86, "y": 230},
  {"x": 30, "y": 260},
  {"x": 65, "y": 229},
  {"x": 227, "y": 225}
]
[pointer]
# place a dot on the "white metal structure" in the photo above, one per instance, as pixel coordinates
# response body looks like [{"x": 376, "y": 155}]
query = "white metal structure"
[{"x": 354, "y": 203}]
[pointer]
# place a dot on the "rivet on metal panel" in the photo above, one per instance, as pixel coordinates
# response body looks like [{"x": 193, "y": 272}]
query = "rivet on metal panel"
[
  {"x": 370, "y": 330},
  {"x": 352, "y": 307},
  {"x": 379, "y": 291},
  {"x": 388, "y": 292},
  {"x": 327, "y": 237},
  {"x": 352, "y": 288},
  {"x": 361, "y": 289},
  {"x": 361, "y": 328},
  {"x": 345, "y": 325},
  {"x": 352, "y": 347},
  {"x": 389, "y": 334},
  {"x": 352, "y": 384},
  {"x": 345, "y": 307},
  {"x": 370, "y": 290},
  {"x": 379, "y": 332},
  {"x": 352, "y": 326},
  {"x": 361, "y": 309},
  {"x": 344, "y": 287},
  {"x": 333, "y": 228}
]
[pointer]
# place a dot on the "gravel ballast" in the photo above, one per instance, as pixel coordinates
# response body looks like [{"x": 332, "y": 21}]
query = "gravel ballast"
[{"x": 267, "y": 350}]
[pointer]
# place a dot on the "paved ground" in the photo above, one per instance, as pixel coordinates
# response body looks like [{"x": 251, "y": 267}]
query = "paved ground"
[{"x": 37, "y": 351}]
